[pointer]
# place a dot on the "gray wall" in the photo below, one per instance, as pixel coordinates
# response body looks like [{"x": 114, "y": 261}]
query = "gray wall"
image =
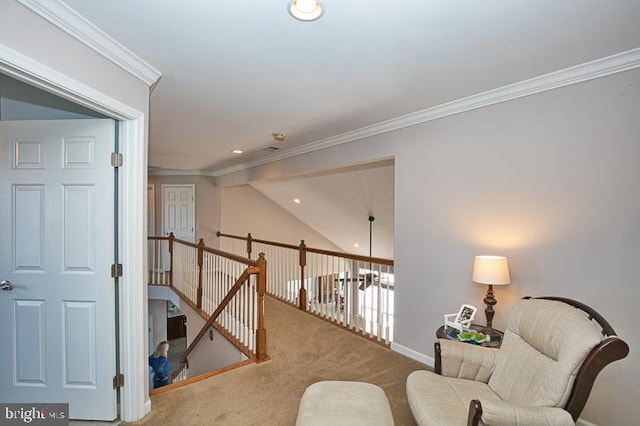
[
  {"x": 31, "y": 35},
  {"x": 158, "y": 311},
  {"x": 208, "y": 205},
  {"x": 550, "y": 180},
  {"x": 209, "y": 354},
  {"x": 19, "y": 101}
]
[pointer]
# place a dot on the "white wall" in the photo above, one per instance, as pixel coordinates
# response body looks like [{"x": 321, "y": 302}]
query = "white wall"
[
  {"x": 245, "y": 210},
  {"x": 550, "y": 180},
  {"x": 158, "y": 310},
  {"x": 209, "y": 354},
  {"x": 208, "y": 205}
]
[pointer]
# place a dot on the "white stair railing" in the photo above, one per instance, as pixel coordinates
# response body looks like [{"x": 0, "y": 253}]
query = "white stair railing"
[
  {"x": 354, "y": 291},
  {"x": 209, "y": 280}
]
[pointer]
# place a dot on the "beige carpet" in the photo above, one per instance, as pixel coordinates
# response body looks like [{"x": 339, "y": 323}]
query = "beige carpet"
[{"x": 304, "y": 350}]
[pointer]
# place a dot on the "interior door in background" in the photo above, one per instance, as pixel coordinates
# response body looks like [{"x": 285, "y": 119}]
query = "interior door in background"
[
  {"x": 178, "y": 215},
  {"x": 179, "y": 211},
  {"x": 57, "y": 333}
]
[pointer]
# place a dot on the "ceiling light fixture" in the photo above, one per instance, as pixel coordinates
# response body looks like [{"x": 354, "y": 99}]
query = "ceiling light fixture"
[
  {"x": 237, "y": 151},
  {"x": 278, "y": 137},
  {"x": 296, "y": 200},
  {"x": 306, "y": 10}
]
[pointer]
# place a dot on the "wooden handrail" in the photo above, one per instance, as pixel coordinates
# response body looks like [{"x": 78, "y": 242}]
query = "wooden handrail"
[
  {"x": 330, "y": 284},
  {"x": 381, "y": 261},
  {"x": 255, "y": 240},
  {"x": 253, "y": 267},
  {"x": 214, "y": 316},
  {"x": 236, "y": 258},
  {"x": 175, "y": 373}
]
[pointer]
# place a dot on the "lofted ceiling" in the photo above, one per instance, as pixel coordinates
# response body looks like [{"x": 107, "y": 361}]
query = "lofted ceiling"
[
  {"x": 235, "y": 72},
  {"x": 338, "y": 203}
]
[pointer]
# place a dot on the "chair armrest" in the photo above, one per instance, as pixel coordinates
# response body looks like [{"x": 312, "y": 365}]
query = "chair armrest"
[
  {"x": 465, "y": 361},
  {"x": 502, "y": 413}
]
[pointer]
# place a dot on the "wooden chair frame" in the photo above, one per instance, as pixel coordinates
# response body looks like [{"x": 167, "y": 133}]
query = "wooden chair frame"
[{"x": 610, "y": 349}]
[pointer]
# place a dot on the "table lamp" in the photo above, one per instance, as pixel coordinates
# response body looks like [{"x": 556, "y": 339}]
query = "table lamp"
[{"x": 491, "y": 270}]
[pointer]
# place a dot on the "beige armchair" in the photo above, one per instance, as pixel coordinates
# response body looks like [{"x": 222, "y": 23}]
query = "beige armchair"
[{"x": 552, "y": 351}]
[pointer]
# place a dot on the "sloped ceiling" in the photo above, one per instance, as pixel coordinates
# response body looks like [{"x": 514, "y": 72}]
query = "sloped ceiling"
[{"x": 337, "y": 204}]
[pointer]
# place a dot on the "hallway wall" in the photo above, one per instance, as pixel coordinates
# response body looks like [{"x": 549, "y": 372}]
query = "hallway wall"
[
  {"x": 548, "y": 180},
  {"x": 208, "y": 205}
]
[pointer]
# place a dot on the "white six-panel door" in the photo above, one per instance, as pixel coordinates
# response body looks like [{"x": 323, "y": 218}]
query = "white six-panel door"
[
  {"x": 57, "y": 324},
  {"x": 179, "y": 211}
]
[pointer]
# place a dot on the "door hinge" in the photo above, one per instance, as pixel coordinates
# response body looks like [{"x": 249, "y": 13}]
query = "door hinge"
[
  {"x": 118, "y": 381},
  {"x": 116, "y": 159},
  {"x": 116, "y": 270}
]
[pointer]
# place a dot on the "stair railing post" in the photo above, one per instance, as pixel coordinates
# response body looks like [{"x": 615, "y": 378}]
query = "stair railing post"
[
  {"x": 302, "y": 299},
  {"x": 171, "y": 242},
  {"x": 261, "y": 333},
  {"x": 200, "y": 263},
  {"x": 249, "y": 245}
]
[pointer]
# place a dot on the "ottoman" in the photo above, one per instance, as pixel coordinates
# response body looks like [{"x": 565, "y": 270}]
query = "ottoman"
[{"x": 344, "y": 404}]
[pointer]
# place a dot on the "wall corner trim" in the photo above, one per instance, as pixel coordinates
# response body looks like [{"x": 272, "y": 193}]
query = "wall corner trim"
[
  {"x": 601, "y": 67},
  {"x": 413, "y": 354},
  {"x": 74, "y": 24}
]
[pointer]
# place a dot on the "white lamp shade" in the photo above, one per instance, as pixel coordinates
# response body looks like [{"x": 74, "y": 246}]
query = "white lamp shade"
[{"x": 491, "y": 270}]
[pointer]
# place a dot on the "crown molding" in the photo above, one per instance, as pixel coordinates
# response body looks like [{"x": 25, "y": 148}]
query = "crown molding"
[
  {"x": 175, "y": 172},
  {"x": 602, "y": 67},
  {"x": 28, "y": 70},
  {"x": 64, "y": 17}
]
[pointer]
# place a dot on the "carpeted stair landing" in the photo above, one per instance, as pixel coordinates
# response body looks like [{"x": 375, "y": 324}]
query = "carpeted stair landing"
[{"x": 303, "y": 350}]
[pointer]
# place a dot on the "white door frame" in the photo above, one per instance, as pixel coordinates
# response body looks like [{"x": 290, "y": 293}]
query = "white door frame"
[{"x": 134, "y": 399}]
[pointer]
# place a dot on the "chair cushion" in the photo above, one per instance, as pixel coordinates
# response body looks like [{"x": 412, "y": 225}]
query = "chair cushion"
[
  {"x": 439, "y": 400},
  {"x": 543, "y": 348},
  {"x": 333, "y": 403}
]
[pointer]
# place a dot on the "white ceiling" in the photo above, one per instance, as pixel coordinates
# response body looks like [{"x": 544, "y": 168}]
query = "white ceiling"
[
  {"x": 236, "y": 71},
  {"x": 233, "y": 72}
]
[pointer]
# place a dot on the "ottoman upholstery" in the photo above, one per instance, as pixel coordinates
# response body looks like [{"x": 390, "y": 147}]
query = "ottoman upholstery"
[{"x": 344, "y": 403}]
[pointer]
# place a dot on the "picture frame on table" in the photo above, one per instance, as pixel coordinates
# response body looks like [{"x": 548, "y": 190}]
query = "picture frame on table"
[
  {"x": 462, "y": 319},
  {"x": 466, "y": 314}
]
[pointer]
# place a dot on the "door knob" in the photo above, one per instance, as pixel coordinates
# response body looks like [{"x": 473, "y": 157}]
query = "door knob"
[{"x": 6, "y": 285}]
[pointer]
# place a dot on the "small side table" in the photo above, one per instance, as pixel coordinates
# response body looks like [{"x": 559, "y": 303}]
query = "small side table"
[{"x": 452, "y": 334}]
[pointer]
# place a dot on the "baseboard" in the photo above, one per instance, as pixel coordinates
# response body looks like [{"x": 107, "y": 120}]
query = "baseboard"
[
  {"x": 412, "y": 354},
  {"x": 583, "y": 422},
  {"x": 147, "y": 407}
]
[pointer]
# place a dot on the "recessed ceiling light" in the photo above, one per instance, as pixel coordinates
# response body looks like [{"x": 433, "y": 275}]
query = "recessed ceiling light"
[
  {"x": 237, "y": 151},
  {"x": 296, "y": 200},
  {"x": 356, "y": 245},
  {"x": 306, "y": 10}
]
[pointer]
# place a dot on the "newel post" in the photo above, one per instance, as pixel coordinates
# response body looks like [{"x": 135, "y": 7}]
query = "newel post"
[
  {"x": 171, "y": 242},
  {"x": 200, "y": 263},
  {"x": 303, "y": 262},
  {"x": 261, "y": 333},
  {"x": 249, "y": 245}
]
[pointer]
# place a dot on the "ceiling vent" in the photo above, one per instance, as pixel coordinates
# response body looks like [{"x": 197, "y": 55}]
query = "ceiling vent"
[{"x": 271, "y": 148}]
